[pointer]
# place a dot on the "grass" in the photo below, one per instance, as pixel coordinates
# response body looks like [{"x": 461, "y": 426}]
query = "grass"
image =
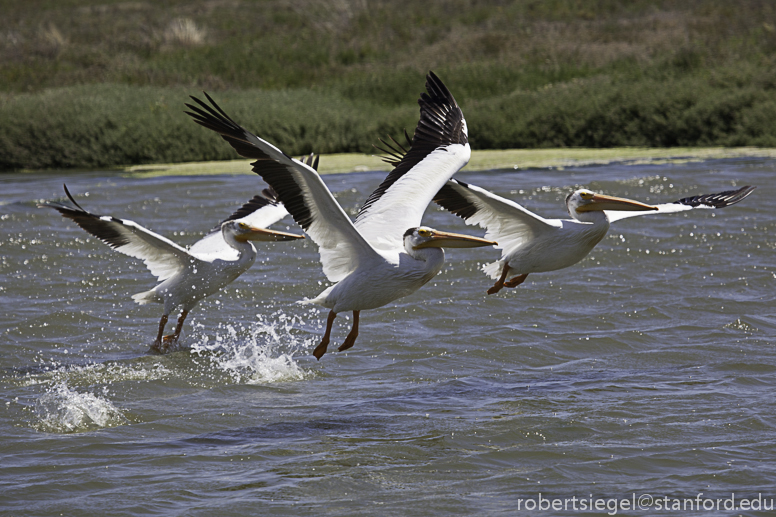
[{"x": 101, "y": 85}]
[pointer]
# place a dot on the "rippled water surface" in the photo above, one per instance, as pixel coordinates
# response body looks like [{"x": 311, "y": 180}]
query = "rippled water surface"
[{"x": 649, "y": 368}]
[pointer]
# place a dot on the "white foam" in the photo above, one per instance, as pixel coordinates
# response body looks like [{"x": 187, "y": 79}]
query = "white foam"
[
  {"x": 62, "y": 410},
  {"x": 98, "y": 373},
  {"x": 262, "y": 353}
]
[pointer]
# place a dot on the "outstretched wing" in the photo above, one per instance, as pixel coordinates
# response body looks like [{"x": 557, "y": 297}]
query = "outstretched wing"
[
  {"x": 162, "y": 257},
  {"x": 299, "y": 188},
  {"x": 439, "y": 149},
  {"x": 262, "y": 211},
  {"x": 505, "y": 221},
  {"x": 708, "y": 201}
]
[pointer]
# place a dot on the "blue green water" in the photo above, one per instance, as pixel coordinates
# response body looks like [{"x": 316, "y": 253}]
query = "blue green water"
[{"x": 647, "y": 369}]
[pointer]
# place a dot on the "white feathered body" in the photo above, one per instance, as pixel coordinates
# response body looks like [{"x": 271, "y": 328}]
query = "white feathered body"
[
  {"x": 566, "y": 244},
  {"x": 203, "y": 276},
  {"x": 381, "y": 281}
]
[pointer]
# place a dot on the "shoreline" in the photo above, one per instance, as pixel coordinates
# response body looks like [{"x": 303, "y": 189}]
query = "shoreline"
[{"x": 516, "y": 159}]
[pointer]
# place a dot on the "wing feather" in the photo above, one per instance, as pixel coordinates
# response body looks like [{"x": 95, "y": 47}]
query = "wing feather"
[
  {"x": 261, "y": 211},
  {"x": 707, "y": 201},
  {"x": 439, "y": 149},
  {"x": 506, "y": 222},
  {"x": 162, "y": 257},
  {"x": 300, "y": 189}
]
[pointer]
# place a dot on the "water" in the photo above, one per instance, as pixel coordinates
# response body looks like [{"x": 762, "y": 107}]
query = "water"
[{"x": 649, "y": 368}]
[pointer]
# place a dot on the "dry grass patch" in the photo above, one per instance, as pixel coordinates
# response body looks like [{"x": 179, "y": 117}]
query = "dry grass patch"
[{"x": 184, "y": 31}]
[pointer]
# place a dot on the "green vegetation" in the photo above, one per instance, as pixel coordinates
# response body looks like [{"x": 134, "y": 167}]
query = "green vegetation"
[
  {"x": 101, "y": 85},
  {"x": 108, "y": 125}
]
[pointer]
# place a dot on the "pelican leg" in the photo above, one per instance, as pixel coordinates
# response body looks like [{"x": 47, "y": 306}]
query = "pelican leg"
[
  {"x": 519, "y": 279},
  {"x": 168, "y": 340},
  {"x": 157, "y": 345},
  {"x": 351, "y": 339},
  {"x": 500, "y": 282},
  {"x": 324, "y": 344}
]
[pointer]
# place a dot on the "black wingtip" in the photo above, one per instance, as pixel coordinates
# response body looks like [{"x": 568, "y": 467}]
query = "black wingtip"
[
  {"x": 212, "y": 117},
  {"x": 72, "y": 200},
  {"x": 718, "y": 200},
  {"x": 311, "y": 161},
  {"x": 437, "y": 89},
  {"x": 441, "y": 124},
  {"x": 270, "y": 194},
  {"x": 441, "y": 119},
  {"x": 216, "y": 106},
  {"x": 395, "y": 150},
  {"x": 455, "y": 202}
]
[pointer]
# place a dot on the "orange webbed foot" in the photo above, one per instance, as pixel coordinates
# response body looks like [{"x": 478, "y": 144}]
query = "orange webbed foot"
[
  {"x": 349, "y": 342},
  {"x": 496, "y": 288},
  {"x": 321, "y": 349},
  {"x": 519, "y": 279}
]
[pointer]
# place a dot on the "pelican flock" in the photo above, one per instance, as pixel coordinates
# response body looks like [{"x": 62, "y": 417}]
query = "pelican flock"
[
  {"x": 386, "y": 254},
  {"x": 186, "y": 276},
  {"x": 532, "y": 244}
]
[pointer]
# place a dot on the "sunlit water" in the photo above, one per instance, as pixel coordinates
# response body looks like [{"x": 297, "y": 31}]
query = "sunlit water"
[{"x": 649, "y": 368}]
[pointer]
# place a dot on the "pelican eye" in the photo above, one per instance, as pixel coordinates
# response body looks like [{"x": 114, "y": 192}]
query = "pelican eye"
[
  {"x": 425, "y": 233},
  {"x": 243, "y": 226},
  {"x": 586, "y": 195}
]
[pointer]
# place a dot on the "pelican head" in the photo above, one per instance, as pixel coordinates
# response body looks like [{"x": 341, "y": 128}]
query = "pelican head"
[
  {"x": 244, "y": 232},
  {"x": 584, "y": 200},
  {"x": 423, "y": 237}
]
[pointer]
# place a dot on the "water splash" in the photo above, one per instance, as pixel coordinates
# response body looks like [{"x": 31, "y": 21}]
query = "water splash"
[
  {"x": 261, "y": 353},
  {"x": 63, "y": 410},
  {"x": 743, "y": 325},
  {"x": 96, "y": 373}
]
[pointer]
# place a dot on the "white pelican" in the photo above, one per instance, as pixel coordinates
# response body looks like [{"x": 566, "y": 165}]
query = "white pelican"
[
  {"x": 532, "y": 244},
  {"x": 386, "y": 254},
  {"x": 186, "y": 276}
]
